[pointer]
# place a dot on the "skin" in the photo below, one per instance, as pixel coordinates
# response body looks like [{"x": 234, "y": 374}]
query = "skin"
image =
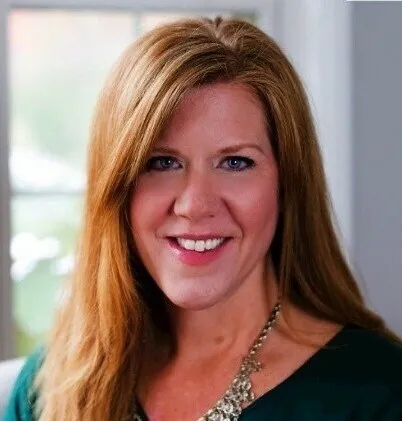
[
  {"x": 200, "y": 193},
  {"x": 217, "y": 308}
]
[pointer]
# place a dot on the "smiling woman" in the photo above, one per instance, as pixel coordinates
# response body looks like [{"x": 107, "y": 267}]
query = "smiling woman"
[
  {"x": 203, "y": 221},
  {"x": 210, "y": 282}
]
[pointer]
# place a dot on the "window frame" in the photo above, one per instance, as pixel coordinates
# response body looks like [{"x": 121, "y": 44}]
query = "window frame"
[{"x": 263, "y": 8}]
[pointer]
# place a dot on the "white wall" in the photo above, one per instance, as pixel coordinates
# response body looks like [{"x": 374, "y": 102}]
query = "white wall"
[
  {"x": 377, "y": 132},
  {"x": 316, "y": 35}
]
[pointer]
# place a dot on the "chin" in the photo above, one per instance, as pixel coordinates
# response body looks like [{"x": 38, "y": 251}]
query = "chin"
[
  {"x": 198, "y": 293},
  {"x": 196, "y": 302},
  {"x": 194, "y": 305}
]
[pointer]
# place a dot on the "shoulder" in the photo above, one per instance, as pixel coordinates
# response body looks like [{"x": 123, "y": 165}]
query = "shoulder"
[
  {"x": 23, "y": 397},
  {"x": 371, "y": 354},
  {"x": 369, "y": 368},
  {"x": 356, "y": 376}
]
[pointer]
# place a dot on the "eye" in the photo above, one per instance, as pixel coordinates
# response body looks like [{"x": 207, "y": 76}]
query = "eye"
[
  {"x": 238, "y": 163},
  {"x": 162, "y": 163}
]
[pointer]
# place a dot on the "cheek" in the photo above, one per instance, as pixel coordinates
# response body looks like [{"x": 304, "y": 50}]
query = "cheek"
[
  {"x": 256, "y": 205},
  {"x": 149, "y": 202},
  {"x": 147, "y": 210}
]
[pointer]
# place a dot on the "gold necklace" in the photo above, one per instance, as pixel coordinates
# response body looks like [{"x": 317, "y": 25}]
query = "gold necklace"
[{"x": 240, "y": 392}]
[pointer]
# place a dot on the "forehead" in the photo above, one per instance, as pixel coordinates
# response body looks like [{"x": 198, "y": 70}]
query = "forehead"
[{"x": 220, "y": 113}]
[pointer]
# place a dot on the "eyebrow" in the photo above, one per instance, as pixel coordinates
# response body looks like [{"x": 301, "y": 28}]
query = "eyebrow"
[
  {"x": 236, "y": 148},
  {"x": 226, "y": 150}
]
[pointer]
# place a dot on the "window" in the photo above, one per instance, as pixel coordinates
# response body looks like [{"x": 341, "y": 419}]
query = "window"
[{"x": 57, "y": 60}]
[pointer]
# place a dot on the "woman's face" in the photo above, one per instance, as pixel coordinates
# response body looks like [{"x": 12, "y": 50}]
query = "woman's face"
[{"x": 204, "y": 211}]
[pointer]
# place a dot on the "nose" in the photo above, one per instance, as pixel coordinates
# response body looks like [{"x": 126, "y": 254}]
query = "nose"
[{"x": 197, "y": 199}]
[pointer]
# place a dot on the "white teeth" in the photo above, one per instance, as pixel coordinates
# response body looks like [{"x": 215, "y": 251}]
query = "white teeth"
[
  {"x": 200, "y": 245},
  {"x": 188, "y": 244}
]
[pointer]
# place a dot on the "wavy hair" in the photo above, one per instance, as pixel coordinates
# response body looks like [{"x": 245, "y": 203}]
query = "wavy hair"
[{"x": 95, "y": 354}]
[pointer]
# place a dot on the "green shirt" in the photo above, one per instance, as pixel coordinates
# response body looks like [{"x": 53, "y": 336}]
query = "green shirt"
[{"x": 356, "y": 377}]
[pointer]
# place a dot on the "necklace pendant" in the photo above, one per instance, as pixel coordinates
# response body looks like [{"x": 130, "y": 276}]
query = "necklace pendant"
[{"x": 250, "y": 365}]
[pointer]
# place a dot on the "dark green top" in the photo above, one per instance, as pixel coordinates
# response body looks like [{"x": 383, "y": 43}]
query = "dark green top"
[{"x": 356, "y": 377}]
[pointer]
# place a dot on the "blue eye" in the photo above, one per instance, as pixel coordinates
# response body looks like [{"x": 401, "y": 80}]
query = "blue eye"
[
  {"x": 238, "y": 163},
  {"x": 162, "y": 163}
]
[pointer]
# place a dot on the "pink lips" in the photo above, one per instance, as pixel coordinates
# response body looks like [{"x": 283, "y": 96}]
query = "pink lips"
[{"x": 196, "y": 258}]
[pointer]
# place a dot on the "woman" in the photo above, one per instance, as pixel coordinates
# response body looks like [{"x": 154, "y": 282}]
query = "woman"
[{"x": 210, "y": 282}]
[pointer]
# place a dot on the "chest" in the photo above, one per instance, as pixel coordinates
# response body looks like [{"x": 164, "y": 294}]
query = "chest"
[{"x": 188, "y": 394}]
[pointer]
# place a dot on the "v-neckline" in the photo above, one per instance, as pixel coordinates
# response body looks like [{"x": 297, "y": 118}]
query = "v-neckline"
[
  {"x": 334, "y": 341},
  {"x": 299, "y": 372}
]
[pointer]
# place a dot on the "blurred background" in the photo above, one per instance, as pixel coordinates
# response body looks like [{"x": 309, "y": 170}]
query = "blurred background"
[{"x": 54, "y": 56}]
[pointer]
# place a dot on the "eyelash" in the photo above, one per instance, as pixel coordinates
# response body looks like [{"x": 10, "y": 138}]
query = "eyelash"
[{"x": 151, "y": 163}]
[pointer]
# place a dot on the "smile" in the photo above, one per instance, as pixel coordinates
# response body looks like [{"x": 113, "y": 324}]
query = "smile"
[
  {"x": 196, "y": 251},
  {"x": 200, "y": 245}
]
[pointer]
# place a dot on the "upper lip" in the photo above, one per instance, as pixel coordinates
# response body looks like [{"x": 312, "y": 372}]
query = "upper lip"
[{"x": 198, "y": 236}]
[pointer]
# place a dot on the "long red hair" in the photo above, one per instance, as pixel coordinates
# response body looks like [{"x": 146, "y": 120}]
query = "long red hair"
[{"x": 94, "y": 357}]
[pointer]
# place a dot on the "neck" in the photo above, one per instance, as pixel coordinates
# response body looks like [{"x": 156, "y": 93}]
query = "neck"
[{"x": 230, "y": 325}]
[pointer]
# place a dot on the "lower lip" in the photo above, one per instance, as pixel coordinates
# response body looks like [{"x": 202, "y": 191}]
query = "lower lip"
[{"x": 196, "y": 258}]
